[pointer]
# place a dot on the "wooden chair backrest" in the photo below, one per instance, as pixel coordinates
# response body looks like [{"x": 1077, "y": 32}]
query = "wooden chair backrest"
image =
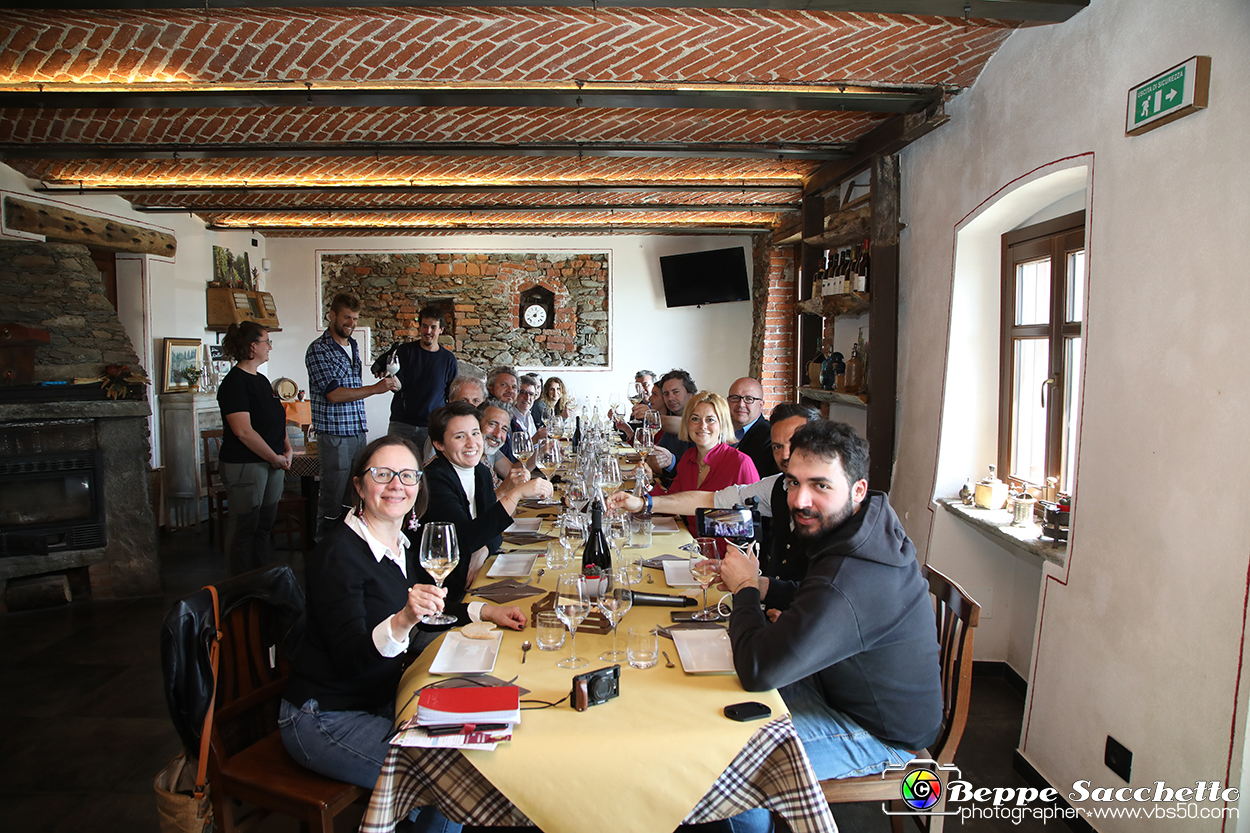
[
  {"x": 211, "y": 438},
  {"x": 957, "y": 616},
  {"x": 252, "y": 675}
]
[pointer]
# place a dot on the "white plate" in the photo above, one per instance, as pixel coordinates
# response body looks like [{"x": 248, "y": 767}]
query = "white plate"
[
  {"x": 661, "y": 524},
  {"x": 525, "y": 525},
  {"x": 461, "y": 655},
  {"x": 704, "y": 651},
  {"x": 677, "y": 574},
  {"x": 512, "y": 564}
]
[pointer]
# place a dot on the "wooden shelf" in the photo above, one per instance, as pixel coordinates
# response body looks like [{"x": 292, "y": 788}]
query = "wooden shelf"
[
  {"x": 848, "y": 303},
  {"x": 843, "y": 228},
  {"x": 834, "y": 397}
]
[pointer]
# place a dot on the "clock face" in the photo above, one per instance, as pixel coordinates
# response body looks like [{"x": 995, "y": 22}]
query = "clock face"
[{"x": 535, "y": 315}]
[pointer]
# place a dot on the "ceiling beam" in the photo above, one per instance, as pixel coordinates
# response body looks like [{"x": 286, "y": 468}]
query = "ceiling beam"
[
  {"x": 1028, "y": 11},
  {"x": 889, "y": 138},
  {"x": 834, "y": 98},
  {"x": 589, "y": 228},
  {"x": 479, "y": 210},
  {"x": 554, "y": 188},
  {"x": 170, "y": 150}
]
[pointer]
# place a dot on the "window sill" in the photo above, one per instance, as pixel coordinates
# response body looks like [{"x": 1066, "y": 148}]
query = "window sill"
[{"x": 995, "y": 524}]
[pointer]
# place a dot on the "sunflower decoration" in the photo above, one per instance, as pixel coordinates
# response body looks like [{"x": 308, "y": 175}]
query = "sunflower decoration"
[{"x": 118, "y": 377}]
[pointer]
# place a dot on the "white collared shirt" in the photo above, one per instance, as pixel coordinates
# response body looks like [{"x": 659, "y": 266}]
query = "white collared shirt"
[{"x": 383, "y": 635}]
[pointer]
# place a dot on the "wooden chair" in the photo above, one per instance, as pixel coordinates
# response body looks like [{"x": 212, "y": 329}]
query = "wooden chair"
[
  {"x": 292, "y": 515},
  {"x": 213, "y": 488},
  {"x": 247, "y": 760},
  {"x": 957, "y": 615}
]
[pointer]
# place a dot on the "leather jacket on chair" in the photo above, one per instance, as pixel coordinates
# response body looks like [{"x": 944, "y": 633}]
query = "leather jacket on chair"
[{"x": 188, "y": 631}]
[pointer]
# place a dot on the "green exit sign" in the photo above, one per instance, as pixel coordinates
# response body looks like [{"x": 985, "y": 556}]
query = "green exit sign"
[{"x": 1168, "y": 96}]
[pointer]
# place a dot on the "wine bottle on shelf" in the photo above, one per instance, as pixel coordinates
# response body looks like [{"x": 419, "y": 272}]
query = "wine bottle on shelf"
[
  {"x": 866, "y": 267},
  {"x": 596, "y": 553},
  {"x": 859, "y": 280}
]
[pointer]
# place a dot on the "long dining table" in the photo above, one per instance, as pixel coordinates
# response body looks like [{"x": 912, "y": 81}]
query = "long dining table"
[{"x": 660, "y": 754}]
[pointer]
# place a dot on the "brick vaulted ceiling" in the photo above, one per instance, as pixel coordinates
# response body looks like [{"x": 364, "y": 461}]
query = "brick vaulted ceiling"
[{"x": 586, "y": 117}]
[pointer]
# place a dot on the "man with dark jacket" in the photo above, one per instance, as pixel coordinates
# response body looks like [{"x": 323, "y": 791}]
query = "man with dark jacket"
[
  {"x": 854, "y": 650},
  {"x": 751, "y": 428}
]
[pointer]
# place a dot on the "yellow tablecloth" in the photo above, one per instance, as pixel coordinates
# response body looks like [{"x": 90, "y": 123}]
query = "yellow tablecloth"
[{"x": 639, "y": 762}]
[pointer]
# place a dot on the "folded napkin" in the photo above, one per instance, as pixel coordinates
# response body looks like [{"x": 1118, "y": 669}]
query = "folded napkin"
[
  {"x": 507, "y": 590},
  {"x": 525, "y": 538},
  {"x": 688, "y": 626},
  {"x": 657, "y": 562}
]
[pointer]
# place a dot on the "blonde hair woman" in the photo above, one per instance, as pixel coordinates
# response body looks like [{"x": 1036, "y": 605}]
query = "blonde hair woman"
[{"x": 555, "y": 399}]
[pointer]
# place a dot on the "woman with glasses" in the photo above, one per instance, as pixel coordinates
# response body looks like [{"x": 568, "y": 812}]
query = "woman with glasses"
[
  {"x": 255, "y": 452},
  {"x": 366, "y": 593},
  {"x": 462, "y": 491}
]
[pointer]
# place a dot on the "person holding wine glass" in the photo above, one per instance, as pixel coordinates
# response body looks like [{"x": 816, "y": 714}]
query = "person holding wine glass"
[
  {"x": 463, "y": 493},
  {"x": 365, "y": 596},
  {"x": 712, "y": 463}
]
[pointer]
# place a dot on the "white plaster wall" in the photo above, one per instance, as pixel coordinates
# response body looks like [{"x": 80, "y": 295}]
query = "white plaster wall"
[
  {"x": 1143, "y": 642},
  {"x": 712, "y": 342}
]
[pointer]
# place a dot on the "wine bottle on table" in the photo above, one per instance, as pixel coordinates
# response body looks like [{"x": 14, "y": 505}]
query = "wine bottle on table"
[
  {"x": 577, "y": 435},
  {"x": 596, "y": 553}
]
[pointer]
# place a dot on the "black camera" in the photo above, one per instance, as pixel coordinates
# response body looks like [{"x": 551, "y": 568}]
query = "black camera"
[
  {"x": 739, "y": 524},
  {"x": 595, "y": 687}
]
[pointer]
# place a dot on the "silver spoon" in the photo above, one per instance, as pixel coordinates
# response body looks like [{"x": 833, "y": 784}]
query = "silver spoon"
[
  {"x": 525, "y": 646},
  {"x": 541, "y": 570},
  {"x": 668, "y": 661}
]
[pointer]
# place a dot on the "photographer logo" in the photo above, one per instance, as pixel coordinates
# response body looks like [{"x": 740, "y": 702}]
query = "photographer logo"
[{"x": 921, "y": 789}]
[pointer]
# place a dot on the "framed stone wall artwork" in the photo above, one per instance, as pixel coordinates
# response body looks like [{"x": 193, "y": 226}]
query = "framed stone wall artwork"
[
  {"x": 181, "y": 354},
  {"x": 528, "y": 309}
]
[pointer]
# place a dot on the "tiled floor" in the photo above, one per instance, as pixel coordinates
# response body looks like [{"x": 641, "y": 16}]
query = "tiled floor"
[{"x": 84, "y": 727}]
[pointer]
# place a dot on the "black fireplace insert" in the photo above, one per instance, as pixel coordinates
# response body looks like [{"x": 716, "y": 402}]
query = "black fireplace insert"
[{"x": 51, "y": 503}]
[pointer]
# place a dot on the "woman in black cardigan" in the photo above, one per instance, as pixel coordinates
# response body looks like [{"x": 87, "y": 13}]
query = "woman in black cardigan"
[
  {"x": 456, "y": 471},
  {"x": 366, "y": 592}
]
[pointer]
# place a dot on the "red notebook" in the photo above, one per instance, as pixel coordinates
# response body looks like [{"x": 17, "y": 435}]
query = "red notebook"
[{"x": 475, "y": 704}]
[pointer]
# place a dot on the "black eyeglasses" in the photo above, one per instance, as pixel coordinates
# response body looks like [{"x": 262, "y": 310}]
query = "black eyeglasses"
[
  {"x": 734, "y": 399},
  {"x": 409, "y": 477}
]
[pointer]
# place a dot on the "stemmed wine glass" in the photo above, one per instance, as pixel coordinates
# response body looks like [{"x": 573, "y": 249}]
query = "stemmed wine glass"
[
  {"x": 572, "y": 606},
  {"x": 522, "y": 446},
  {"x": 705, "y": 567},
  {"x": 637, "y": 392},
  {"x": 618, "y": 535},
  {"x": 615, "y": 600},
  {"x": 610, "y": 471},
  {"x": 652, "y": 420},
  {"x": 439, "y": 555},
  {"x": 549, "y": 457},
  {"x": 644, "y": 440}
]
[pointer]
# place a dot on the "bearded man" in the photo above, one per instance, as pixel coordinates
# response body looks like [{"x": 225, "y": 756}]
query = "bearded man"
[{"x": 854, "y": 649}]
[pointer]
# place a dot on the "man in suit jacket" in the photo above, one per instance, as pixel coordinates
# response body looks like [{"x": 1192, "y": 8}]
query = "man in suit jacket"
[{"x": 746, "y": 404}]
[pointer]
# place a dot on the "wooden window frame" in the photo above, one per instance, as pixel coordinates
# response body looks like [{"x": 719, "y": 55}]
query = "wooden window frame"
[{"x": 1054, "y": 239}]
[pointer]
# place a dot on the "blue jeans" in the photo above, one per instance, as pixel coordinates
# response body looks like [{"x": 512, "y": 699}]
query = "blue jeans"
[
  {"x": 334, "y": 456},
  {"x": 349, "y": 746},
  {"x": 837, "y": 746}
]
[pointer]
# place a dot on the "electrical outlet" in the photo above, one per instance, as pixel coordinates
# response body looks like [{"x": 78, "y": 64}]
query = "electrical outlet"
[{"x": 1118, "y": 759}]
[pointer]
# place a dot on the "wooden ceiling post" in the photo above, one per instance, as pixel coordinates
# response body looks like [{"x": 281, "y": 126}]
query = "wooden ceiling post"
[
  {"x": 65, "y": 226},
  {"x": 883, "y": 322}
]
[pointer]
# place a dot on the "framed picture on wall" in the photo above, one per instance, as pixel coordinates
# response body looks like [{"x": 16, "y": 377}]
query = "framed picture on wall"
[{"x": 181, "y": 354}]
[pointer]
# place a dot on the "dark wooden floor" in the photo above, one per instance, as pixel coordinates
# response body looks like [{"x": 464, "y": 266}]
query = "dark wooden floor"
[{"x": 84, "y": 727}]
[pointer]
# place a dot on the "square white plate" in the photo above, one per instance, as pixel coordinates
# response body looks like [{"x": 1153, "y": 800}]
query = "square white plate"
[
  {"x": 704, "y": 651},
  {"x": 514, "y": 564},
  {"x": 461, "y": 655},
  {"x": 662, "y": 524},
  {"x": 525, "y": 525},
  {"x": 677, "y": 574}
]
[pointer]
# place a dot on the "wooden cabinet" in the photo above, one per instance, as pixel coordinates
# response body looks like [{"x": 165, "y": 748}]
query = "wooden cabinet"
[{"x": 183, "y": 416}]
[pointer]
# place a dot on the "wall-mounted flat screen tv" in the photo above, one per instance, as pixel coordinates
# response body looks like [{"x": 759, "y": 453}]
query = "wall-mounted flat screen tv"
[{"x": 712, "y": 277}]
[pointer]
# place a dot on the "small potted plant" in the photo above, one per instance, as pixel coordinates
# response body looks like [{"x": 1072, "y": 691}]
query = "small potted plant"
[{"x": 192, "y": 375}]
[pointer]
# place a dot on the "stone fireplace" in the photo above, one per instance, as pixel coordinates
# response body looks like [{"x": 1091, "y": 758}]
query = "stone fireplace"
[{"x": 73, "y": 463}]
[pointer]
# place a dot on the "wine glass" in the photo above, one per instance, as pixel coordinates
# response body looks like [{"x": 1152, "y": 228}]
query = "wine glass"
[
  {"x": 615, "y": 600},
  {"x": 549, "y": 457},
  {"x": 572, "y": 606},
  {"x": 439, "y": 555},
  {"x": 637, "y": 392},
  {"x": 522, "y": 446},
  {"x": 644, "y": 440},
  {"x": 618, "y": 534},
  {"x": 705, "y": 567},
  {"x": 610, "y": 471},
  {"x": 652, "y": 420}
]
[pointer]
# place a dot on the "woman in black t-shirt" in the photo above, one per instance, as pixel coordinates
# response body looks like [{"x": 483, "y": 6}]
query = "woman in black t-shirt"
[{"x": 255, "y": 451}]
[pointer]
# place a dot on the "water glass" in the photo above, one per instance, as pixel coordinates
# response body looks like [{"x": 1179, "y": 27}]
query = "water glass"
[
  {"x": 643, "y": 647},
  {"x": 640, "y": 527},
  {"x": 633, "y": 571},
  {"x": 550, "y": 631},
  {"x": 559, "y": 555}
]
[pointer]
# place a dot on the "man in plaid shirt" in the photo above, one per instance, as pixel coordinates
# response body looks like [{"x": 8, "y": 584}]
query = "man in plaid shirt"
[{"x": 336, "y": 392}]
